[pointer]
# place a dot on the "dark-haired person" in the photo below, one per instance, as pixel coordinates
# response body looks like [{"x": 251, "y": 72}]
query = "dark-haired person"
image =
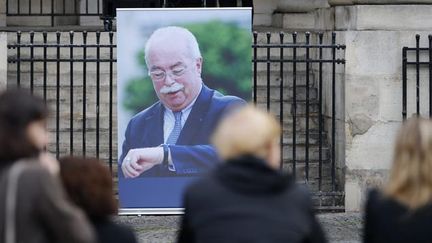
[
  {"x": 402, "y": 211},
  {"x": 89, "y": 185},
  {"x": 247, "y": 199},
  {"x": 33, "y": 205}
]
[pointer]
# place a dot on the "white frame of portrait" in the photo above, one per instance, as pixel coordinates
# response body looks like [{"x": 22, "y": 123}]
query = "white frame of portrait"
[{"x": 122, "y": 121}]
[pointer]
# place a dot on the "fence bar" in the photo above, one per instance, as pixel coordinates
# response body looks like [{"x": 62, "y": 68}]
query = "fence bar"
[
  {"x": 333, "y": 136},
  {"x": 281, "y": 91},
  {"x": 71, "y": 36},
  {"x": 64, "y": 6},
  {"x": 40, "y": 5},
  {"x": 31, "y": 62},
  {"x": 84, "y": 34},
  {"x": 404, "y": 83},
  {"x": 268, "y": 72},
  {"x": 19, "y": 6},
  {"x": 44, "y": 34},
  {"x": 87, "y": 7},
  {"x": 111, "y": 34},
  {"x": 417, "y": 75},
  {"x": 430, "y": 75},
  {"x": 255, "y": 37},
  {"x": 294, "y": 105},
  {"x": 30, "y": 3},
  {"x": 19, "y": 62},
  {"x": 97, "y": 92},
  {"x": 307, "y": 107},
  {"x": 58, "y": 98},
  {"x": 320, "y": 118},
  {"x": 52, "y": 12}
]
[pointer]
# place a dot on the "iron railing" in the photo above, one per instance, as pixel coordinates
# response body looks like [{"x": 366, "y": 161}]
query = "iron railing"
[
  {"x": 314, "y": 58},
  {"x": 53, "y": 8},
  {"x": 419, "y": 58},
  {"x": 75, "y": 73}
]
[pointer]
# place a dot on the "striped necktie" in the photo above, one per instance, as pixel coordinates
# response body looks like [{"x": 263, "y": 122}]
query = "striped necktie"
[{"x": 175, "y": 133}]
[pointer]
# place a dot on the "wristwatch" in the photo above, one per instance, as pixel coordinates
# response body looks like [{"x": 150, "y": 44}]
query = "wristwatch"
[{"x": 165, "y": 155}]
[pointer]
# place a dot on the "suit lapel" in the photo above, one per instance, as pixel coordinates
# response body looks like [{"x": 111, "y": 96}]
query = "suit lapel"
[
  {"x": 196, "y": 117},
  {"x": 154, "y": 133}
]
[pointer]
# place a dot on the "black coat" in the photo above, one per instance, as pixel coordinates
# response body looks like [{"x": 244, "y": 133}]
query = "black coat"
[
  {"x": 387, "y": 220},
  {"x": 247, "y": 201}
]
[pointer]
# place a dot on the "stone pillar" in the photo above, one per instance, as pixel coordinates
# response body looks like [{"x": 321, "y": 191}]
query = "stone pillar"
[
  {"x": 3, "y": 61},
  {"x": 303, "y": 15},
  {"x": 263, "y": 11},
  {"x": 58, "y": 7},
  {"x": 351, "y": 2},
  {"x": 374, "y": 36},
  {"x": 300, "y": 6},
  {"x": 87, "y": 6}
]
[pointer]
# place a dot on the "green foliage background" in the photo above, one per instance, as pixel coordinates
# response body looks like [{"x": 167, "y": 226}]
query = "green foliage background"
[{"x": 226, "y": 50}]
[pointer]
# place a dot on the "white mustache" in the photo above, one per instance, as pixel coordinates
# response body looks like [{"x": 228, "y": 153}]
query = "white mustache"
[{"x": 171, "y": 89}]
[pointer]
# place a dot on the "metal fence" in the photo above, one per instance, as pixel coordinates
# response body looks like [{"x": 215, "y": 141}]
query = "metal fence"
[
  {"x": 53, "y": 8},
  {"x": 418, "y": 59},
  {"x": 75, "y": 73}
]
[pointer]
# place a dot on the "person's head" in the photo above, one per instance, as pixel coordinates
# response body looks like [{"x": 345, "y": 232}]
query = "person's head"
[
  {"x": 249, "y": 131},
  {"x": 174, "y": 64},
  {"x": 22, "y": 126},
  {"x": 410, "y": 179},
  {"x": 89, "y": 185}
]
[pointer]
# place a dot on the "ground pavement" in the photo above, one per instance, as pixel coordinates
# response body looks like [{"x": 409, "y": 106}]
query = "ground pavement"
[{"x": 339, "y": 227}]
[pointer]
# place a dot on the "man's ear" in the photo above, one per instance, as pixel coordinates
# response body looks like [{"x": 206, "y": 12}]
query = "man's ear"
[{"x": 198, "y": 65}]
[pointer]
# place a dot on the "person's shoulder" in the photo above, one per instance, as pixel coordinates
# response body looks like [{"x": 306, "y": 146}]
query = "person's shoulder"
[
  {"x": 300, "y": 194},
  {"x": 228, "y": 99},
  {"x": 376, "y": 201},
  {"x": 33, "y": 168},
  {"x": 201, "y": 186},
  {"x": 375, "y": 196},
  {"x": 146, "y": 113}
]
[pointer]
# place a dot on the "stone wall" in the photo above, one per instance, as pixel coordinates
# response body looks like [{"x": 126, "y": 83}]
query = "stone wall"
[
  {"x": 374, "y": 36},
  {"x": 369, "y": 87}
]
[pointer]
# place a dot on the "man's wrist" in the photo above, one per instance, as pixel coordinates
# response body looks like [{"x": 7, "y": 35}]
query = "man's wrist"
[{"x": 165, "y": 154}]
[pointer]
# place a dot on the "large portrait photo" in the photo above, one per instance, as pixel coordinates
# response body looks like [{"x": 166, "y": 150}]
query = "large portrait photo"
[{"x": 180, "y": 71}]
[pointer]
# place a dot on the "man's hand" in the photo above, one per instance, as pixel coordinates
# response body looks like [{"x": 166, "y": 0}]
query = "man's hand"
[{"x": 137, "y": 161}]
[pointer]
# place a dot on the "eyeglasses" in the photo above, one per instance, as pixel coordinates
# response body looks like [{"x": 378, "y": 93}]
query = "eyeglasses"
[{"x": 176, "y": 72}]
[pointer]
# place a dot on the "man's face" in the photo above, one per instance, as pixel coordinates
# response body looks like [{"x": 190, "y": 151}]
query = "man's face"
[{"x": 175, "y": 74}]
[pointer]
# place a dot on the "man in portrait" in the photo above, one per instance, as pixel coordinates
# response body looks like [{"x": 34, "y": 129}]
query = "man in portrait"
[{"x": 171, "y": 137}]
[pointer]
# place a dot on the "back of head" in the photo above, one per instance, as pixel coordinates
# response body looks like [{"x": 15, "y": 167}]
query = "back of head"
[
  {"x": 89, "y": 185},
  {"x": 17, "y": 110},
  {"x": 248, "y": 131},
  {"x": 410, "y": 179},
  {"x": 166, "y": 36}
]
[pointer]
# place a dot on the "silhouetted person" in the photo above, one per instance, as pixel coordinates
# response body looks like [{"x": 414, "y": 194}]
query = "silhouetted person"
[
  {"x": 33, "y": 206},
  {"x": 402, "y": 211},
  {"x": 88, "y": 183},
  {"x": 247, "y": 199}
]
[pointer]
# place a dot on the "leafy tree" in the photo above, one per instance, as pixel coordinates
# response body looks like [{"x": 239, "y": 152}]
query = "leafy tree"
[{"x": 226, "y": 51}]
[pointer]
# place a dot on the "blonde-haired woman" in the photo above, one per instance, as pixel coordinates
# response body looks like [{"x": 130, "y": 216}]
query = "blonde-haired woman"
[
  {"x": 247, "y": 199},
  {"x": 402, "y": 211}
]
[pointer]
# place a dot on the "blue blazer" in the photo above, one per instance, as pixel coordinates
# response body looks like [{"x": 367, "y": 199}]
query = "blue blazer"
[{"x": 192, "y": 153}]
